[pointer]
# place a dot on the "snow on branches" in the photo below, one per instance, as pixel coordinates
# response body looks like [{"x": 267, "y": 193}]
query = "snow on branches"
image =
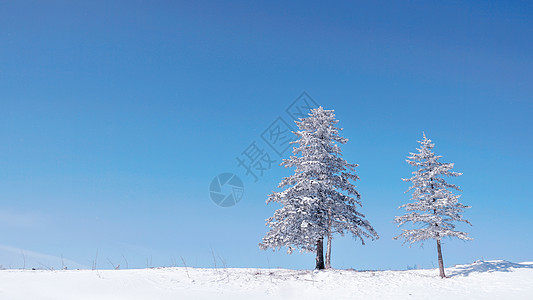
[
  {"x": 435, "y": 208},
  {"x": 320, "y": 198}
]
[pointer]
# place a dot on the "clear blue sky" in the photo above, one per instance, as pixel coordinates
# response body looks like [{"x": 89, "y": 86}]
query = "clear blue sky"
[{"x": 116, "y": 115}]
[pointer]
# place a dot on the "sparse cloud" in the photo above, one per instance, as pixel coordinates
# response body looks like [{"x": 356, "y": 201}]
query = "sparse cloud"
[
  {"x": 22, "y": 219},
  {"x": 13, "y": 257}
]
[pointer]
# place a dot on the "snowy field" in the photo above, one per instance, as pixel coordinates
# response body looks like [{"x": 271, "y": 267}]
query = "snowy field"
[{"x": 480, "y": 280}]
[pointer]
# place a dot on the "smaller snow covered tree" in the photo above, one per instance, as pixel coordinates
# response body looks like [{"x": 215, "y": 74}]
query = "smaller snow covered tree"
[{"x": 435, "y": 208}]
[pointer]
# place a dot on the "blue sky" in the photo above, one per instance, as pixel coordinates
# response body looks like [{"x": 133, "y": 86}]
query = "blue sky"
[{"x": 115, "y": 117}]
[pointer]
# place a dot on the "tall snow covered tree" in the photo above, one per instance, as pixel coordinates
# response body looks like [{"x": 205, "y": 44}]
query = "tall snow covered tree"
[
  {"x": 320, "y": 198},
  {"x": 435, "y": 208}
]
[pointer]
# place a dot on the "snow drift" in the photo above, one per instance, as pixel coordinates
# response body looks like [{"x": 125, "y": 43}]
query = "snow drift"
[{"x": 480, "y": 280}]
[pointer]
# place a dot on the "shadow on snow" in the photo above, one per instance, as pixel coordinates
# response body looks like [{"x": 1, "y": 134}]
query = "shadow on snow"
[{"x": 488, "y": 267}]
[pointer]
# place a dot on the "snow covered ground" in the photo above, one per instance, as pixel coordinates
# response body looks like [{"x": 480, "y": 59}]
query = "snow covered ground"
[{"x": 480, "y": 280}]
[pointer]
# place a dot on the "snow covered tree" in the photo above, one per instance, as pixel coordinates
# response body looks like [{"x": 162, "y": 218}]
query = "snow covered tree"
[
  {"x": 435, "y": 208},
  {"x": 320, "y": 198}
]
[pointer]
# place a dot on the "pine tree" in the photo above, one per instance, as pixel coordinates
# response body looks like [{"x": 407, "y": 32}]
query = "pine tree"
[
  {"x": 435, "y": 207},
  {"x": 320, "y": 198}
]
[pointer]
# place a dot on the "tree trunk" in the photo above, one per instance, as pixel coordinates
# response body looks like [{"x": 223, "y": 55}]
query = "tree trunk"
[
  {"x": 441, "y": 263},
  {"x": 320, "y": 254},
  {"x": 328, "y": 249},
  {"x": 328, "y": 254}
]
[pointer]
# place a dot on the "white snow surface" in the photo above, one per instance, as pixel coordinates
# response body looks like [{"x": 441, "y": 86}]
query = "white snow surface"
[{"x": 495, "y": 279}]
